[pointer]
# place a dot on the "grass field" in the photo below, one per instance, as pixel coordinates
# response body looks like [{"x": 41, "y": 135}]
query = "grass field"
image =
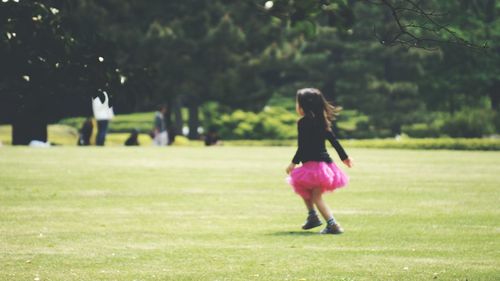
[{"x": 226, "y": 213}]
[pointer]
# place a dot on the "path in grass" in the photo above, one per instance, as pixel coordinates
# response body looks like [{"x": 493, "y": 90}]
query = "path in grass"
[{"x": 225, "y": 213}]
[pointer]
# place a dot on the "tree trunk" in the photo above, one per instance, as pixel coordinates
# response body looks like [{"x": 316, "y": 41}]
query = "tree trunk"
[
  {"x": 396, "y": 128},
  {"x": 27, "y": 128},
  {"x": 168, "y": 116},
  {"x": 194, "y": 121},
  {"x": 179, "y": 123}
]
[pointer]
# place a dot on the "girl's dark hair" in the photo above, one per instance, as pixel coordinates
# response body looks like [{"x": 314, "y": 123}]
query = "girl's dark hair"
[{"x": 315, "y": 106}]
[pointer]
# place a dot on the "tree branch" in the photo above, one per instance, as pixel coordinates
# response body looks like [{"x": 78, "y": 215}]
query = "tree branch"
[{"x": 424, "y": 21}]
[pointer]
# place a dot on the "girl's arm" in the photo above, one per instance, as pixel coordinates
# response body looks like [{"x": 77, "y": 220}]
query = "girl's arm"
[
  {"x": 298, "y": 154},
  {"x": 330, "y": 136},
  {"x": 300, "y": 142}
]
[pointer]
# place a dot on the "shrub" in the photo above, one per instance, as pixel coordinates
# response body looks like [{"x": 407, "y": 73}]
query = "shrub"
[
  {"x": 365, "y": 130},
  {"x": 75, "y": 122},
  {"x": 403, "y": 143},
  {"x": 438, "y": 143},
  {"x": 271, "y": 123},
  {"x": 184, "y": 141},
  {"x": 422, "y": 130},
  {"x": 470, "y": 123}
]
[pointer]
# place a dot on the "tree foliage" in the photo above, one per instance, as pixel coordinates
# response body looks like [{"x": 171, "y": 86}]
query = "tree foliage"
[
  {"x": 396, "y": 61},
  {"x": 397, "y": 85},
  {"x": 49, "y": 69}
]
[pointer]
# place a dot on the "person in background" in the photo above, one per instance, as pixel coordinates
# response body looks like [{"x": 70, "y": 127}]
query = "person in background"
[
  {"x": 86, "y": 132},
  {"x": 212, "y": 138},
  {"x": 133, "y": 139},
  {"x": 103, "y": 114},
  {"x": 160, "y": 135}
]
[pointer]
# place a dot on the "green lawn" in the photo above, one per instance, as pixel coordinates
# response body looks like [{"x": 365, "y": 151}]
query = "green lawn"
[{"x": 226, "y": 213}]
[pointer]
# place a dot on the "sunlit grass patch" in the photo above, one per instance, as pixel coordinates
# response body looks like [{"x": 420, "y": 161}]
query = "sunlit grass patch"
[{"x": 226, "y": 213}]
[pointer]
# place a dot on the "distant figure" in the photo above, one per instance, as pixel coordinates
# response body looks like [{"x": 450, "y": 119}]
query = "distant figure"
[
  {"x": 160, "y": 135},
  {"x": 133, "y": 139},
  {"x": 212, "y": 138},
  {"x": 318, "y": 174},
  {"x": 102, "y": 113},
  {"x": 86, "y": 132}
]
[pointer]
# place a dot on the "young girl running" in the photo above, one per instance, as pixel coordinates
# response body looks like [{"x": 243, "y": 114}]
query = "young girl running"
[{"x": 318, "y": 174}]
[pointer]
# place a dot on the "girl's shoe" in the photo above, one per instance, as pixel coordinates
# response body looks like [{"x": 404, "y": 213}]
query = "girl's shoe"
[
  {"x": 311, "y": 222},
  {"x": 333, "y": 229}
]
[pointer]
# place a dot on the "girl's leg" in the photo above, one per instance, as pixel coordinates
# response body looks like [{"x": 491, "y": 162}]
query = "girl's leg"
[
  {"x": 312, "y": 218},
  {"x": 317, "y": 199},
  {"x": 332, "y": 227},
  {"x": 309, "y": 204}
]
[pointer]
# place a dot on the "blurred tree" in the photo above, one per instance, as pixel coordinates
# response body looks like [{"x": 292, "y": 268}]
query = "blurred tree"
[
  {"x": 213, "y": 51},
  {"x": 47, "y": 70},
  {"x": 413, "y": 23},
  {"x": 395, "y": 85},
  {"x": 463, "y": 77},
  {"x": 355, "y": 71},
  {"x": 191, "y": 52},
  {"x": 240, "y": 54}
]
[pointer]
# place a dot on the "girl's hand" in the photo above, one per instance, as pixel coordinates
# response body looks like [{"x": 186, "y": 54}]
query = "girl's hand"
[
  {"x": 290, "y": 168},
  {"x": 348, "y": 162}
]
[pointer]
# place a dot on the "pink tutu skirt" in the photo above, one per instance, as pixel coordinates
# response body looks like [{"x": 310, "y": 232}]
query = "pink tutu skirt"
[{"x": 312, "y": 174}]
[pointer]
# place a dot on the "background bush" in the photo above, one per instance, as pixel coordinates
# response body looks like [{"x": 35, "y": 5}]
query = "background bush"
[
  {"x": 271, "y": 123},
  {"x": 470, "y": 123},
  {"x": 278, "y": 123},
  {"x": 434, "y": 143},
  {"x": 422, "y": 130},
  {"x": 402, "y": 143}
]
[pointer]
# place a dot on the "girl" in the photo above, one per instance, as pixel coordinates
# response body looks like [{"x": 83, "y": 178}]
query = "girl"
[{"x": 318, "y": 174}]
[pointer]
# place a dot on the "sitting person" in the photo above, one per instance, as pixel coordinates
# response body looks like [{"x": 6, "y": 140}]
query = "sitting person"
[
  {"x": 86, "y": 132},
  {"x": 133, "y": 139},
  {"x": 212, "y": 138}
]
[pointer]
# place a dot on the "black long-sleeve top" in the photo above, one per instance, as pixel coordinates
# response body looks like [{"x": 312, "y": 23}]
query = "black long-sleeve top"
[{"x": 311, "y": 143}]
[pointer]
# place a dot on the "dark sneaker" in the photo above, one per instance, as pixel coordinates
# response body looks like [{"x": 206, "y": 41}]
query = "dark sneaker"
[
  {"x": 312, "y": 222},
  {"x": 333, "y": 229}
]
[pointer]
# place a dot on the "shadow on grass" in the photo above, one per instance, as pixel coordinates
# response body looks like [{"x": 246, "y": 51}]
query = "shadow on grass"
[{"x": 293, "y": 233}]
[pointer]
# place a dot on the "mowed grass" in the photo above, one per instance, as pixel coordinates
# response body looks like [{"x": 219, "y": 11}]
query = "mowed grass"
[{"x": 226, "y": 213}]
